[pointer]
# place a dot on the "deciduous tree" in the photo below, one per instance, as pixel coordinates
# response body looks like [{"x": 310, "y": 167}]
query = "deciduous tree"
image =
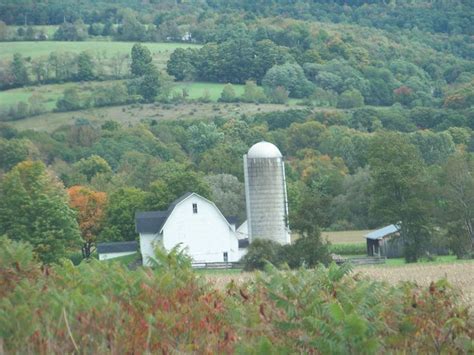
[{"x": 34, "y": 208}]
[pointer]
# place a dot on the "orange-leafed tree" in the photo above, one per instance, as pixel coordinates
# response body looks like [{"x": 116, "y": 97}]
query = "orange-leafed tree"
[{"x": 90, "y": 206}]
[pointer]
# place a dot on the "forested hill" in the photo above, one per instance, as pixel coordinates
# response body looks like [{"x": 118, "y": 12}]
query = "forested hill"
[{"x": 443, "y": 16}]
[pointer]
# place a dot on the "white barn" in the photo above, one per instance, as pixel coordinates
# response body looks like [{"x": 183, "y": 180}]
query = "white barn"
[{"x": 197, "y": 224}]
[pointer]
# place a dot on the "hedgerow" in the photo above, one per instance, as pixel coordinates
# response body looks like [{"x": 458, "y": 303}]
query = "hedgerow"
[{"x": 105, "y": 308}]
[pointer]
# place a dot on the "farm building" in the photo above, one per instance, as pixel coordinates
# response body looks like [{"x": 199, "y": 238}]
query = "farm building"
[
  {"x": 384, "y": 242},
  {"x": 194, "y": 222},
  {"x": 108, "y": 251}
]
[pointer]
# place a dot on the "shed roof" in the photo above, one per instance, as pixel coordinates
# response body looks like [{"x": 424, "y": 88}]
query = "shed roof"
[
  {"x": 383, "y": 232},
  {"x": 117, "y": 247}
]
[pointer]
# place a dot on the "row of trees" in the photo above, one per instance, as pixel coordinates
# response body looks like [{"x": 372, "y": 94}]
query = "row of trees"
[{"x": 61, "y": 67}]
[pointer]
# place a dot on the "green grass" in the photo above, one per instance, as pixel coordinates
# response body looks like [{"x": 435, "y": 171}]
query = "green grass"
[
  {"x": 35, "y": 49},
  {"x": 125, "y": 260},
  {"x": 444, "y": 259},
  {"x": 348, "y": 248},
  {"x": 197, "y": 90},
  {"x": 49, "y": 93},
  {"x": 218, "y": 271}
]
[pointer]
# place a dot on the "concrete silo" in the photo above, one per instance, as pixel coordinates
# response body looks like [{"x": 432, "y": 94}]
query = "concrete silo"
[{"x": 265, "y": 194}]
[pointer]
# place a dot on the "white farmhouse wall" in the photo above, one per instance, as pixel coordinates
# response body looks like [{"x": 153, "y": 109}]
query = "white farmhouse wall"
[
  {"x": 206, "y": 234},
  {"x": 107, "y": 256},
  {"x": 148, "y": 242}
]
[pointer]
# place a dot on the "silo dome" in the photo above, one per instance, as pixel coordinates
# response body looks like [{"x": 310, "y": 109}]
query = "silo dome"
[{"x": 264, "y": 150}]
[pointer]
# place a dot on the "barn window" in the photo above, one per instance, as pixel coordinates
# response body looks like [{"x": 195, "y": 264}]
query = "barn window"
[
  {"x": 226, "y": 257},
  {"x": 195, "y": 208}
]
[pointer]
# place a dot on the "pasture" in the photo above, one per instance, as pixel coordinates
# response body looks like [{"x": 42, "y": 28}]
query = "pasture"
[
  {"x": 133, "y": 114},
  {"x": 35, "y": 49},
  {"x": 49, "y": 94}
]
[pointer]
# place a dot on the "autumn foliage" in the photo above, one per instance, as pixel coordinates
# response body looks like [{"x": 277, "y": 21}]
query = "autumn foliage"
[
  {"x": 90, "y": 207},
  {"x": 100, "y": 307}
]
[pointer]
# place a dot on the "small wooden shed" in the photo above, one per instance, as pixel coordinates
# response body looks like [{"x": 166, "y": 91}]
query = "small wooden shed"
[{"x": 384, "y": 242}]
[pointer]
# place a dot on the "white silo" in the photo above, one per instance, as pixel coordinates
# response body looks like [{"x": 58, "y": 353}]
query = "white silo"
[{"x": 265, "y": 193}]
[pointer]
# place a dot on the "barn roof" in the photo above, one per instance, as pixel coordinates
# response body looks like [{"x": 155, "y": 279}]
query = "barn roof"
[
  {"x": 116, "y": 247},
  {"x": 383, "y": 232},
  {"x": 232, "y": 219},
  {"x": 151, "y": 222}
]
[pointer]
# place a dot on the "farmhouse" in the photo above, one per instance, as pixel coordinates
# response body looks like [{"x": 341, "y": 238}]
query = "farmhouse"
[
  {"x": 194, "y": 222},
  {"x": 384, "y": 242}
]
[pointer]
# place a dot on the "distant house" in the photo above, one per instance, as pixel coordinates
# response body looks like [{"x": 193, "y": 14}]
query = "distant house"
[
  {"x": 113, "y": 250},
  {"x": 194, "y": 222},
  {"x": 384, "y": 242}
]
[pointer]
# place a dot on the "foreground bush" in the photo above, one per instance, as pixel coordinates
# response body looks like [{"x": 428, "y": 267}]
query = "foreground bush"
[
  {"x": 105, "y": 308},
  {"x": 306, "y": 251}
]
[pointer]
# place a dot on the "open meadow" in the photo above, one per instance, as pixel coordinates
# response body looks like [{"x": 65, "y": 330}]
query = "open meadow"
[
  {"x": 35, "y": 49},
  {"x": 133, "y": 114},
  {"x": 47, "y": 95}
]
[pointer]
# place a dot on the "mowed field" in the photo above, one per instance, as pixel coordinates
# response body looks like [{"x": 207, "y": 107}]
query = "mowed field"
[{"x": 34, "y": 49}]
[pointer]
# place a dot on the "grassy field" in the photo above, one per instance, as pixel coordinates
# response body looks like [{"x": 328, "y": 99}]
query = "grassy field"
[
  {"x": 197, "y": 90},
  {"x": 36, "y": 49},
  {"x": 356, "y": 236},
  {"x": 50, "y": 93},
  {"x": 134, "y": 114}
]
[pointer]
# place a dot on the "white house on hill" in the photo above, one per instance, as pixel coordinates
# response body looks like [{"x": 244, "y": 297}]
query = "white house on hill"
[{"x": 197, "y": 224}]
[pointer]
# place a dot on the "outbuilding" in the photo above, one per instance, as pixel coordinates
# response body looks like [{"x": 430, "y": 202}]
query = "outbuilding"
[
  {"x": 384, "y": 242},
  {"x": 113, "y": 250}
]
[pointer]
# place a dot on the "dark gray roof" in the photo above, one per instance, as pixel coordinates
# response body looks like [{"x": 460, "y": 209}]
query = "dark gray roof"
[
  {"x": 150, "y": 222},
  {"x": 232, "y": 219},
  {"x": 243, "y": 243},
  {"x": 117, "y": 247}
]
